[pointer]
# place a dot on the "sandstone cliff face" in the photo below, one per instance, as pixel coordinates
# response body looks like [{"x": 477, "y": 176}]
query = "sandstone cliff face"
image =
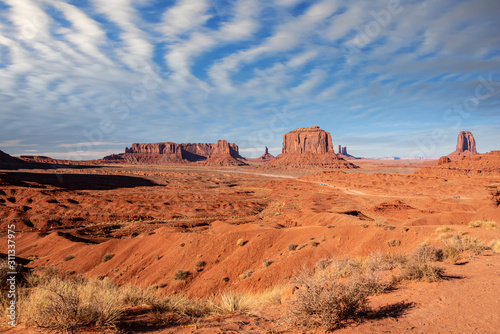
[
  {"x": 443, "y": 161},
  {"x": 307, "y": 140},
  {"x": 466, "y": 146},
  {"x": 308, "y": 147},
  {"x": 466, "y": 142},
  {"x": 169, "y": 152}
]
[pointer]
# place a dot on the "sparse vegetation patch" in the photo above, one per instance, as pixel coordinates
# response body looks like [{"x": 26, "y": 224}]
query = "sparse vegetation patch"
[
  {"x": 181, "y": 274},
  {"x": 106, "y": 257}
]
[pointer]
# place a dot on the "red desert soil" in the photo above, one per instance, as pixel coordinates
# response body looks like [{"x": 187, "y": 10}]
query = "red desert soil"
[{"x": 158, "y": 219}]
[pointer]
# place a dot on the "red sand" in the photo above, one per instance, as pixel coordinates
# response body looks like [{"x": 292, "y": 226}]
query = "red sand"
[{"x": 158, "y": 219}]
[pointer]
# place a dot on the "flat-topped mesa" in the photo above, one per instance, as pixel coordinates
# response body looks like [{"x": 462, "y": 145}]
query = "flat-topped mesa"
[
  {"x": 169, "y": 152},
  {"x": 307, "y": 140},
  {"x": 188, "y": 151}
]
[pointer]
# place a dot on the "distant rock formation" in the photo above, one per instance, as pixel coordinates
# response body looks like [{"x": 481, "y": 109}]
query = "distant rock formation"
[
  {"x": 307, "y": 140},
  {"x": 308, "y": 147},
  {"x": 466, "y": 146},
  {"x": 4, "y": 157},
  {"x": 473, "y": 165},
  {"x": 265, "y": 157},
  {"x": 342, "y": 153},
  {"x": 169, "y": 152},
  {"x": 218, "y": 160},
  {"x": 443, "y": 161}
]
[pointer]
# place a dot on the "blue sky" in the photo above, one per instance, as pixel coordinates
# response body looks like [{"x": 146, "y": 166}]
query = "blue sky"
[{"x": 83, "y": 79}]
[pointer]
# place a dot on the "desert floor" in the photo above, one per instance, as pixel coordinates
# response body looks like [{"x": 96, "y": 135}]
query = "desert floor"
[{"x": 159, "y": 219}]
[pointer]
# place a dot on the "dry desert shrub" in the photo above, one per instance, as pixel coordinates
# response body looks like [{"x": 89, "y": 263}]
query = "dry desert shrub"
[
  {"x": 443, "y": 229},
  {"x": 420, "y": 264},
  {"x": 181, "y": 274},
  {"x": 458, "y": 244},
  {"x": 364, "y": 270},
  {"x": 393, "y": 243},
  {"x": 178, "y": 304},
  {"x": 385, "y": 226},
  {"x": 199, "y": 265},
  {"x": 267, "y": 262},
  {"x": 421, "y": 271},
  {"x": 68, "y": 257},
  {"x": 495, "y": 246},
  {"x": 484, "y": 223},
  {"x": 230, "y": 302},
  {"x": 63, "y": 304},
  {"x": 334, "y": 268},
  {"x": 106, "y": 257},
  {"x": 132, "y": 295},
  {"x": 246, "y": 274},
  {"x": 326, "y": 303}
]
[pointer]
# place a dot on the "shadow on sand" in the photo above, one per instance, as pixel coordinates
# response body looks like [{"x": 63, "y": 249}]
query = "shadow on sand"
[{"x": 83, "y": 181}]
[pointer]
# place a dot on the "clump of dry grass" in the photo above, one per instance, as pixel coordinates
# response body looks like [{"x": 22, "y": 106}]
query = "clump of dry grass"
[
  {"x": 393, "y": 243},
  {"x": 384, "y": 225},
  {"x": 458, "y": 244},
  {"x": 495, "y": 246},
  {"x": 68, "y": 257},
  {"x": 484, "y": 223},
  {"x": 106, "y": 257},
  {"x": 181, "y": 274},
  {"x": 267, "y": 262},
  {"x": 199, "y": 265},
  {"x": 246, "y": 274},
  {"x": 326, "y": 303},
  {"x": 231, "y": 302},
  {"x": 178, "y": 304},
  {"x": 443, "y": 229},
  {"x": 420, "y": 264},
  {"x": 63, "y": 304}
]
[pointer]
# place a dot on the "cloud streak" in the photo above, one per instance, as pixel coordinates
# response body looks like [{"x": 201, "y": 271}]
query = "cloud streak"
[{"x": 110, "y": 71}]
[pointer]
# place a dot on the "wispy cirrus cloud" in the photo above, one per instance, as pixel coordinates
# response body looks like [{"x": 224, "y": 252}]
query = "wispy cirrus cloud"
[{"x": 100, "y": 72}]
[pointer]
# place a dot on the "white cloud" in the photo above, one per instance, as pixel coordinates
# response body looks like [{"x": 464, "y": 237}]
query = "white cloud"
[
  {"x": 14, "y": 143},
  {"x": 184, "y": 17},
  {"x": 138, "y": 50},
  {"x": 104, "y": 143}
]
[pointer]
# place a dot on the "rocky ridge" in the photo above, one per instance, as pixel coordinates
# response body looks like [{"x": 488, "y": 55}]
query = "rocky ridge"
[{"x": 220, "y": 153}]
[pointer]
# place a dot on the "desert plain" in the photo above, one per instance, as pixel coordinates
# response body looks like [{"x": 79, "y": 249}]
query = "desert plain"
[{"x": 205, "y": 231}]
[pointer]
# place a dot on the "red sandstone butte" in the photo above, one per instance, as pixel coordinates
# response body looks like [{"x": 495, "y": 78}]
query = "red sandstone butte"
[
  {"x": 307, "y": 140},
  {"x": 311, "y": 146},
  {"x": 466, "y": 146}
]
